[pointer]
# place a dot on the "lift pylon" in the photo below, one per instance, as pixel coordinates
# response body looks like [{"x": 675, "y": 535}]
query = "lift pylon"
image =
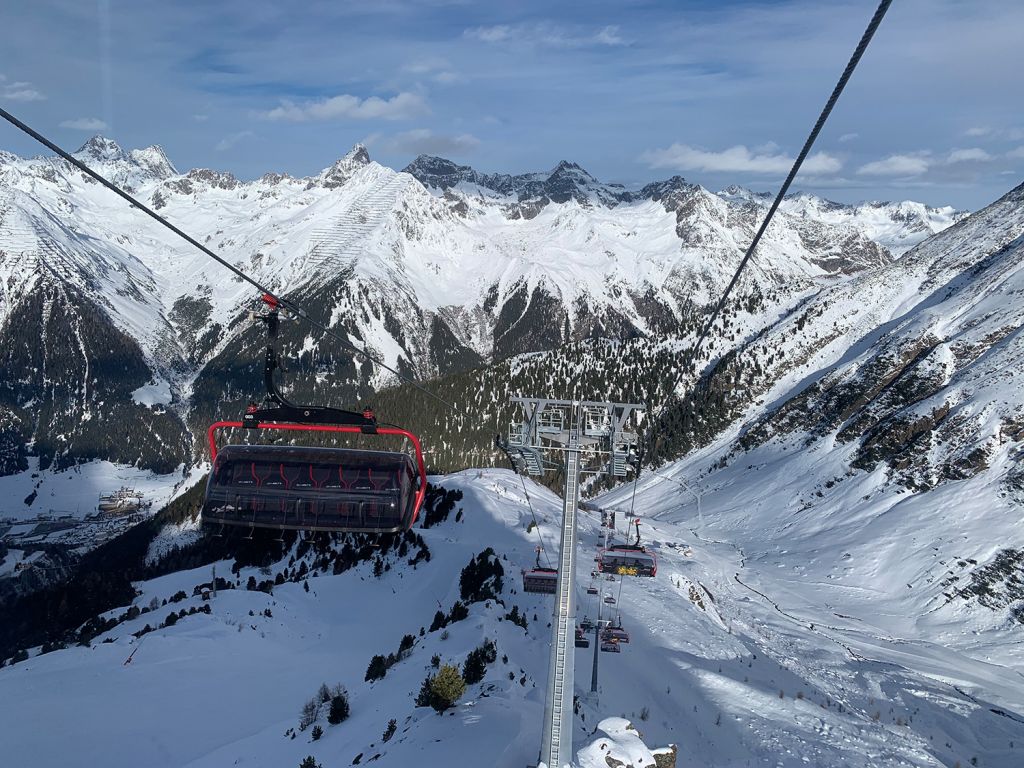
[{"x": 594, "y": 439}]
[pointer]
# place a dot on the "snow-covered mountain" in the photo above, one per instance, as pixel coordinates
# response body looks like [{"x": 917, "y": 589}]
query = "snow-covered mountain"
[
  {"x": 437, "y": 269},
  {"x": 898, "y": 226}
]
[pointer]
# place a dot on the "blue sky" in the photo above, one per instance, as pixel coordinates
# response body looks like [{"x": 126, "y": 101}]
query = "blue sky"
[{"x": 719, "y": 92}]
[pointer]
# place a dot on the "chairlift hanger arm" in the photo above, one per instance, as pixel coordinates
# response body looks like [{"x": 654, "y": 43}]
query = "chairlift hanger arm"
[{"x": 283, "y": 410}]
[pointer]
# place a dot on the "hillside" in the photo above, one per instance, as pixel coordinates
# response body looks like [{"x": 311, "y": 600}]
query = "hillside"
[{"x": 853, "y": 667}]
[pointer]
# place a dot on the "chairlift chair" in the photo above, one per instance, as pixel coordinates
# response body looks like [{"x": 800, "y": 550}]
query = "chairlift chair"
[
  {"x": 628, "y": 559},
  {"x": 310, "y": 488},
  {"x": 540, "y": 580}
]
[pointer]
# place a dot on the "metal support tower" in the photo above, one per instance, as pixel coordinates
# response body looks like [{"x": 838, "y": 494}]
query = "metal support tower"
[{"x": 593, "y": 438}]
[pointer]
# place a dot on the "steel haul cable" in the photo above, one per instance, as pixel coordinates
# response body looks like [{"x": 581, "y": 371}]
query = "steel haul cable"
[{"x": 693, "y": 351}]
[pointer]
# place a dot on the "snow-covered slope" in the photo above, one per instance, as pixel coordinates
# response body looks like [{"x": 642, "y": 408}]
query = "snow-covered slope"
[
  {"x": 854, "y": 667},
  {"x": 846, "y": 591},
  {"x": 228, "y": 687}
]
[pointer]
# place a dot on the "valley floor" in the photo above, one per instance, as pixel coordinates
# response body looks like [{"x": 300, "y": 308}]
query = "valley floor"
[{"x": 756, "y": 644}]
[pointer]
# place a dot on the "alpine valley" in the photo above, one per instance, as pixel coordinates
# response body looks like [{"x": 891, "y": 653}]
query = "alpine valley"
[{"x": 834, "y": 496}]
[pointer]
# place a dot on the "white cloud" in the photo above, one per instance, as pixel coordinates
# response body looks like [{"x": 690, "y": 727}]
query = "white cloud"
[
  {"x": 848, "y": 137},
  {"x": 231, "y": 140},
  {"x": 738, "y": 159},
  {"x": 609, "y": 36},
  {"x": 435, "y": 69},
  {"x": 546, "y": 35},
  {"x": 422, "y": 141},
  {"x": 897, "y": 165},
  {"x": 426, "y": 66},
  {"x": 1016, "y": 154},
  {"x": 495, "y": 34},
  {"x": 85, "y": 124},
  {"x": 993, "y": 134},
  {"x": 968, "y": 155},
  {"x": 402, "y": 106},
  {"x": 19, "y": 91},
  {"x": 200, "y": 118}
]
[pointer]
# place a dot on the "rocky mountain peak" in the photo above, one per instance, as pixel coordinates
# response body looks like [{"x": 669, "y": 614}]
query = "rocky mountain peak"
[
  {"x": 358, "y": 155},
  {"x": 432, "y": 171},
  {"x": 566, "y": 168},
  {"x": 154, "y": 161},
  {"x": 102, "y": 149},
  {"x": 674, "y": 186},
  {"x": 345, "y": 167}
]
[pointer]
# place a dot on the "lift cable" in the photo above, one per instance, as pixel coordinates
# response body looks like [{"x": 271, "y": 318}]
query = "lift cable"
[
  {"x": 292, "y": 306},
  {"x": 536, "y": 524},
  {"x": 693, "y": 351}
]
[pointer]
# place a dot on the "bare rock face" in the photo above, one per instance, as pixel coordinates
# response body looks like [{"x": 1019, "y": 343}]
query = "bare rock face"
[{"x": 666, "y": 756}]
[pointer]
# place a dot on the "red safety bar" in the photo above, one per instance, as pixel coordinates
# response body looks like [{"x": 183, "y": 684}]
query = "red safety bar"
[{"x": 352, "y": 430}]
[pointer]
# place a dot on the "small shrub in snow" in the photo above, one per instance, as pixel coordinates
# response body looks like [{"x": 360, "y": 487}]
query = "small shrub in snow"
[
  {"x": 475, "y": 668},
  {"x": 446, "y": 688},
  {"x": 377, "y": 669},
  {"x": 339, "y": 710},
  {"x": 423, "y": 697},
  {"x": 310, "y": 711},
  {"x": 439, "y": 622},
  {"x": 309, "y": 762},
  {"x": 458, "y": 612},
  {"x": 317, "y": 732},
  {"x": 482, "y": 578},
  {"x": 390, "y": 730},
  {"x": 516, "y": 617}
]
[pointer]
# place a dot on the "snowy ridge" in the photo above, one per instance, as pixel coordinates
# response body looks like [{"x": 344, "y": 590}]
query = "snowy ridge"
[{"x": 898, "y": 226}]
